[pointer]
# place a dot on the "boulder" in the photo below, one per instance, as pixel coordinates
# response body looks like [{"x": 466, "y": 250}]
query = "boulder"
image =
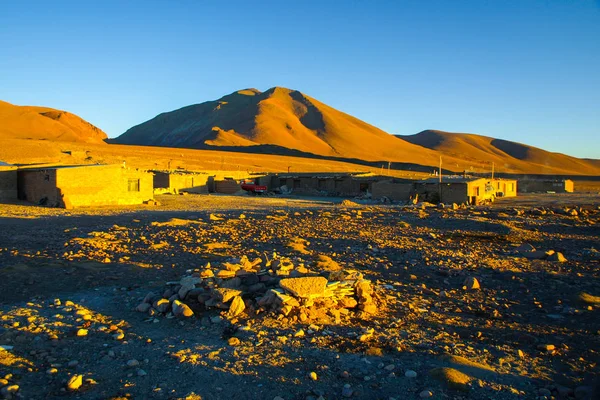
[
  {"x": 181, "y": 309},
  {"x": 237, "y": 307},
  {"x": 305, "y": 287}
]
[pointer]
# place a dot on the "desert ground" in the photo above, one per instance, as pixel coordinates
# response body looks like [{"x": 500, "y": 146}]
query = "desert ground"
[{"x": 467, "y": 303}]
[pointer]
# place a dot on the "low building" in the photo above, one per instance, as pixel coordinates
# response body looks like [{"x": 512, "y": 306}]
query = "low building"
[
  {"x": 505, "y": 187},
  {"x": 329, "y": 184},
  {"x": 452, "y": 189},
  {"x": 84, "y": 185},
  {"x": 180, "y": 181},
  {"x": 546, "y": 185},
  {"x": 8, "y": 182}
]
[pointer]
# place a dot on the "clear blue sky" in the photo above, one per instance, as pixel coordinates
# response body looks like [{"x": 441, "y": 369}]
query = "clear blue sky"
[{"x": 522, "y": 70}]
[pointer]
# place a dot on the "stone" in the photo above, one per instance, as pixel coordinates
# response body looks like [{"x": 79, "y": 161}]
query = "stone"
[
  {"x": 471, "y": 283},
  {"x": 313, "y": 376},
  {"x": 347, "y": 390},
  {"x": 181, "y": 309},
  {"x": 162, "y": 305},
  {"x": 233, "y": 341},
  {"x": 453, "y": 378},
  {"x": 82, "y": 332},
  {"x": 237, "y": 307},
  {"x": 546, "y": 347},
  {"x": 410, "y": 374},
  {"x": 347, "y": 302},
  {"x": 10, "y": 389},
  {"x": 224, "y": 295},
  {"x": 557, "y": 257},
  {"x": 143, "y": 307},
  {"x": 141, "y": 372},
  {"x": 426, "y": 394},
  {"x": 75, "y": 382},
  {"x": 308, "y": 287},
  {"x": 133, "y": 363},
  {"x": 207, "y": 273}
]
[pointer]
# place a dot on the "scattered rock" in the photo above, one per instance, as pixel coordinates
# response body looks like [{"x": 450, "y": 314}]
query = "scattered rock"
[
  {"x": 181, "y": 309},
  {"x": 471, "y": 283},
  {"x": 453, "y": 378},
  {"x": 410, "y": 374},
  {"x": 557, "y": 257},
  {"x": 75, "y": 382}
]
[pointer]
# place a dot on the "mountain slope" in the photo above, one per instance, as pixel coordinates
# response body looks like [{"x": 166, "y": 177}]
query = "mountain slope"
[
  {"x": 280, "y": 117},
  {"x": 43, "y": 123},
  {"x": 507, "y": 156},
  {"x": 288, "y": 121}
]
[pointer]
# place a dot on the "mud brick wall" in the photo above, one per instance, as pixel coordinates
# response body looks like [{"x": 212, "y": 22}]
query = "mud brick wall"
[
  {"x": 8, "y": 183},
  {"x": 35, "y": 185},
  {"x": 103, "y": 185},
  {"x": 85, "y": 186},
  {"x": 227, "y": 186},
  {"x": 196, "y": 183},
  {"x": 391, "y": 190},
  {"x": 532, "y": 186}
]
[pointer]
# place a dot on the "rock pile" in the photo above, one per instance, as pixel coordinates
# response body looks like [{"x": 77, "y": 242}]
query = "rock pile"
[{"x": 253, "y": 287}]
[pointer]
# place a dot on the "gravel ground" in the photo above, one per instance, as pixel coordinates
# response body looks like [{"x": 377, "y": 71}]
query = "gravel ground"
[{"x": 71, "y": 281}]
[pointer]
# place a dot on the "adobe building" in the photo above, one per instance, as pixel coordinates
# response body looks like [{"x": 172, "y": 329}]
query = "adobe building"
[
  {"x": 84, "y": 185},
  {"x": 505, "y": 187},
  {"x": 453, "y": 189},
  {"x": 8, "y": 182},
  {"x": 180, "y": 181},
  {"x": 546, "y": 185},
  {"x": 330, "y": 184}
]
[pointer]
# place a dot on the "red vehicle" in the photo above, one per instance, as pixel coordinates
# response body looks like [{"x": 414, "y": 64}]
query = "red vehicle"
[{"x": 251, "y": 187}]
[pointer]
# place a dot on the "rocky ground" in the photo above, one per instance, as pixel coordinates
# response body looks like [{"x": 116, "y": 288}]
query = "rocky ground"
[{"x": 265, "y": 298}]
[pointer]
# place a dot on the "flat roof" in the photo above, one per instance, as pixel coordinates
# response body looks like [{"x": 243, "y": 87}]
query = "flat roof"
[
  {"x": 453, "y": 179},
  {"x": 51, "y": 166},
  {"x": 322, "y": 174}
]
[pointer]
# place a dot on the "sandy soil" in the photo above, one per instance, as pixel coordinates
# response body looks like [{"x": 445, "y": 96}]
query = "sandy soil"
[{"x": 526, "y": 333}]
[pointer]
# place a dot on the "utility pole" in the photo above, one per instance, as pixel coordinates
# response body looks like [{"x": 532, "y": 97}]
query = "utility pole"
[
  {"x": 492, "y": 170},
  {"x": 389, "y": 164},
  {"x": 440, "y": 178}
]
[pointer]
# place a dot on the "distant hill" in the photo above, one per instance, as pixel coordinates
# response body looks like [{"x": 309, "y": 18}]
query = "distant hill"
[
  {"x": 278, "y": 117},
  {"x": 288, "y": 122},
  {"x": 43, "y": 123},
  {"x": 507, "y": 156}
]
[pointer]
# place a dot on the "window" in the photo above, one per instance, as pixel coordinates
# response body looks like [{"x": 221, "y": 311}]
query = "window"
[
  {"x": 133, "y": 185},
  {"x": 476, "y": 190}
]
